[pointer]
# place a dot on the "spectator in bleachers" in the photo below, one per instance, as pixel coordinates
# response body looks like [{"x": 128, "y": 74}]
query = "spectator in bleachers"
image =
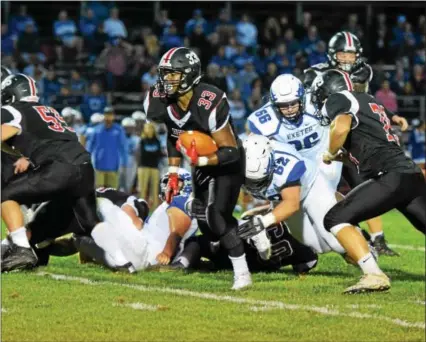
[
  {"x": 33, "y": 66},
  {"x": 245, "y": 78},
  {"x": 231, "y": 76},
  {"x": 78, "y": 85},
  {"x": 162, "y": 23},
  {"x": 419, "y": 79},
  {"x": 94, "y": 102},
  {"x": 65, "y": 31},
  {"x": 241, "y": 58},
  {"x": 214, "y": 77},
  {"x": 284, "y": 61},
  {"x": 50, "y": 85},
  {"x": 398, "y": 30},
  {"x": 99, "y": 43},
  {"x": 311, "y": 39},
  {"x": 197, "y": 19},
  {"x": 224, "y": 26},
  {"x": 231, "y": 49},
  {"x": 100, "y": 8},
  {"x": 381, "y": 47},
  {"x": 149, "y": 78},
  {"x": 128, "y": 171},
  {"x": 171, "y": 38},
  {"x": 255, "y": 100},
  {"x": 88, "y": 25},
  {"x": 387, "y": 97},
  {"x": 148, "y": 164},
  {"x": 302, "y": 30},
  {"x": 271, "y": 32},
  {"x": 399, "y": 78},
  {"x": 19, "y": 22},
  {"x": 353, "y": 26},
  {"x": 246, "y": 32},
  {"x": 293, "y": 46},
  {"x": 116, "y": 57},
  {"x": 319, "y": 55},
  {"x": 270, "y": 75},
  {"x": 197, "y": 39},
  {"x": 220, "y": 58},
  {"x": 29, "y": 44},
  {"x": 420, "y": 31},
  {"x": 238, "y": 110},
  {"x": 65, "y": 99},
  {"x": 407, "y": 46},
  {"x": 8, "y": 41},
  {"x": 109, "y": 150},
  {"x": 113, "y": 26},
  {"x": 420, "y": 56}
]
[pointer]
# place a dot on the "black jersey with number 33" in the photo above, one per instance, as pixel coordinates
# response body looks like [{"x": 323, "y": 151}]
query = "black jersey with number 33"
[
  {"x": 44, "y": 134},
  {"x": 208, "y": 112},
  {"x": 372, "y": 144}
]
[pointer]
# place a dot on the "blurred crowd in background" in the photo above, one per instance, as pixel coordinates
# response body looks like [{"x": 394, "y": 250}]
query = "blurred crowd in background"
[{"x": 89, "y": 60}]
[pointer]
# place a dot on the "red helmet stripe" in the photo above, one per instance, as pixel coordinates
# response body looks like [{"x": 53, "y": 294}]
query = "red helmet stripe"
[
  {"x": 348, "y": 39},
  {"x": 33, "y": 88},
  {"x": 169, "y": 55},
  {"x": 347, "y": 80}
]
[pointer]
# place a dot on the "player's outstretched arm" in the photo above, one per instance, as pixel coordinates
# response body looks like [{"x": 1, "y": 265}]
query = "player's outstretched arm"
[{"x": 179, "y": 223}]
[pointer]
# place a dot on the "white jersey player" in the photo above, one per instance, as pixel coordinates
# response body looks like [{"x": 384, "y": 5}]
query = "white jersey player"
[
  {"x": 157, "y": 240},
  {"x": 284, "y": 118},
  {"x": 277, "y": 172}
]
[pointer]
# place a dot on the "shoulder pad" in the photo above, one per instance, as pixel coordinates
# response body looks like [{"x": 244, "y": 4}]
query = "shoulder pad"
[
  {"x": 264, "y": 121},
  {"x": 153, "y": 105}
]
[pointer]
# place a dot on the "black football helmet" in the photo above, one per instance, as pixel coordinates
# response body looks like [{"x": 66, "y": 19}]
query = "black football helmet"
[
  {"x": 343, "y": 42},
  {"x": 18, "y": 87},
  {"x": 184, "y": 61},
  {"x": 5, "y": 72},
  {"x": 330, "y": 82}
]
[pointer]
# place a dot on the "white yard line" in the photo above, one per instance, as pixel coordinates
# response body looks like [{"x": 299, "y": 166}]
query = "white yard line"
[
  {"x": 3, "y": 310},
  {"x": 138, "y": 306},
  {"x": 256, "y": 305},
  {"x": 408, "y": 247}
]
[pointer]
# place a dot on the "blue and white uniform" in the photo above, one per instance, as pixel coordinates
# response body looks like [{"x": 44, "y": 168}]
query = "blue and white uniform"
[
  {"x": 307, "y": 135},
  {"x": 317, "y": 195}
]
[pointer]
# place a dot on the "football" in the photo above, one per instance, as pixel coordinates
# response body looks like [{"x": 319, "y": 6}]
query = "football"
[{"x": 204, "y": 144}]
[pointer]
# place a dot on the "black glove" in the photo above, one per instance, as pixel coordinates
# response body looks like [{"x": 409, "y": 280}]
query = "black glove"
[{"x": 361, "y": 72}]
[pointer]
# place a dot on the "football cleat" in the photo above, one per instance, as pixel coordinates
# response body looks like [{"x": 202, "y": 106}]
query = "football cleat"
[
  {"x": 382, "y": 248},
  {"x": 305, "y": 267},
  {"x": 370, "y": 283},
  {"x": 262, "y": 244},
  {"x": 19, "y": 258},
  {"x": 242, "y": 281},
  {"x": 126, "y": 268}
]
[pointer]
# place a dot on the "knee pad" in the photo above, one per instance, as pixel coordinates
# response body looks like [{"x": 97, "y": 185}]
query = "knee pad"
[{"x": 230, "y": 240}]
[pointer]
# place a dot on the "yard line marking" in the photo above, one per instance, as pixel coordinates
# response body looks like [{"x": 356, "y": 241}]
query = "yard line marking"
[
  {"x": 3, "y": 310},
  {"x": 408, "y": 247},
  {"x": 421, "y": 302},
  {"x": 238, "y": 300},
  {"x": 138, "y": 306}
]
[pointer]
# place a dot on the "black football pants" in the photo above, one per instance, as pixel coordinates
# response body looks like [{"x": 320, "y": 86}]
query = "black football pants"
[
  {"x": 403, "y": 191},
  {"x": 219, "y": 191},
  {"x": 58, "y": 181}
]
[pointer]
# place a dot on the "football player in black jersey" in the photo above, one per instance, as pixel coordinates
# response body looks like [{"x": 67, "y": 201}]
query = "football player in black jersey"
[
  {"x": 64, "y": 169},
  {"x": 345, "y": 54},
  {"x": 361, "y": 127},
  {"x": 184, "y": 103}
]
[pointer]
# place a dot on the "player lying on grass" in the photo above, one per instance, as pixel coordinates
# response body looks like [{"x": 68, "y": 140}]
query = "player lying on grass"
[
  {"x": 143, "y": 241},
  {"x": 301, "y": 196},
  {"x": 286, "y": 250}
]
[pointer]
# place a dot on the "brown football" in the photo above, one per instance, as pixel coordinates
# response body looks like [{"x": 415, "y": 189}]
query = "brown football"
[{"x": 204, "y": 144}]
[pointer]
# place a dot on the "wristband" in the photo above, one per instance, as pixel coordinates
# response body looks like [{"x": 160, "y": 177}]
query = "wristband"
[
  {"x": 173, "y": 169},
  {"x": 330, "y": 155},
  {"x": 268, "y": 220},
  {"x": 202, "y": 161}
]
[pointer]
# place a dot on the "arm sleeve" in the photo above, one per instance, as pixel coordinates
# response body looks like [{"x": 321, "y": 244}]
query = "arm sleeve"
[
  {"x": 11, "y": 116},
  {"x": 343, "y": 103},
  {"x": 219, "y": 116}
]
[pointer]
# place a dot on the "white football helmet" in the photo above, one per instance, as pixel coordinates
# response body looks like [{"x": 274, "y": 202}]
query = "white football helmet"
[
  {"x": 67, "y": 112},
  {"x": 128, "y": 122},
  {"x": 96, "y": 118},
  {"x": 138, "y": 115},
  {"x": 259, "y": 162},
  {"x": 286, "y": 90}
]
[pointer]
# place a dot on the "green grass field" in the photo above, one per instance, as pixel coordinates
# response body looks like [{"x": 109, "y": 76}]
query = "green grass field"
[{"x": 70, "y": 302}]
